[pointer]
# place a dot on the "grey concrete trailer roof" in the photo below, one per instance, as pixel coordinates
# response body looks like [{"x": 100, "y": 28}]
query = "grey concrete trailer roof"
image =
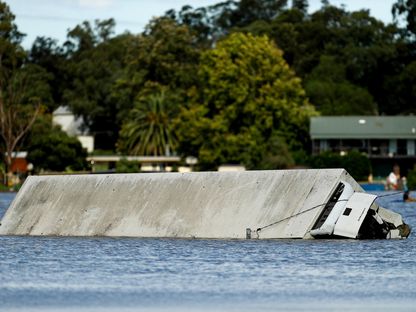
[
  {"x": 363, "y": 127},
  {"x": 185, "y": 205}
]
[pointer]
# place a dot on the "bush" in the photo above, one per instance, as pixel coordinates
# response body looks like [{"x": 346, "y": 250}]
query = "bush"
[
  {"x": 125, "y": 166},
  {"x": 411, "y": 179},
  {"x": 51, "y": 149},
  {"x": 357, "y": 164},
  {"x": 277, "y": 156},
  {"x": 326, "y": 160}
]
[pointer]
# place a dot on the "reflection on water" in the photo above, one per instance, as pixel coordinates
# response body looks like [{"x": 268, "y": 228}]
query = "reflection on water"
[{"x": 172, "y": 274}]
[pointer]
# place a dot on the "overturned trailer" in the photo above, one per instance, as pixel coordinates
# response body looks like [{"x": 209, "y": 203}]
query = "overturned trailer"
[{"x": 252, "y": 204}]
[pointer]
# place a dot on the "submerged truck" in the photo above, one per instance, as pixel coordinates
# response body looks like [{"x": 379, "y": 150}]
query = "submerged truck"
[{"x": 275, "y": 204}]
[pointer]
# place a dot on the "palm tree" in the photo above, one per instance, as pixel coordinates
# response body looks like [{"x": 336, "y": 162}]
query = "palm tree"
[{"x": 149, "y": 128}]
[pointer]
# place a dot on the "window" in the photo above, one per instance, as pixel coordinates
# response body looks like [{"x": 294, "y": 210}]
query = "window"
[
  {"x": 401, "y": 147},
  {"x": 347, "y": 211}
]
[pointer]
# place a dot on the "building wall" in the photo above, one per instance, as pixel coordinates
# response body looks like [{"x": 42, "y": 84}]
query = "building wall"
[
  {"x": 71, "y": 126},
  {"x": 19, "y": 165},
  {"x": 371, "y": 147},
  {"x": 383, "y": 154},
  {"x": 67, "y": 123},
  {"x": 87, "y": 142}
]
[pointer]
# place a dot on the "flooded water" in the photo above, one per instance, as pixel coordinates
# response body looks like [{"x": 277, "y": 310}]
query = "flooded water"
[{"x": 113, "y": 274}]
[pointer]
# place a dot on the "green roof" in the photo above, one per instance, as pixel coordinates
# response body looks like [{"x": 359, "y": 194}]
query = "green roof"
[{"x": 363, "y": 127}]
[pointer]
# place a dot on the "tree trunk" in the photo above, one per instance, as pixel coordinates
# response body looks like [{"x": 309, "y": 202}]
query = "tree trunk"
[{"x": 9, "y": 172}]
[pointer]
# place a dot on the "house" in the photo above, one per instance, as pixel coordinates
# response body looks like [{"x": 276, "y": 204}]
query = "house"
[
  {"x": 73, "y": 126},
  {"x": 386, "y": 140},
  {"x": 19, "y": 163}
]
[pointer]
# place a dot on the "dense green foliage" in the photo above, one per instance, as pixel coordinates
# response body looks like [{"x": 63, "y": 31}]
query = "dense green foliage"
[
  {"x": 357, "y": 164},
  {"x": 242, "y": 103},
  {"x": 328, "y": 87},
  {"x": 51, "y": 149},
  {"x": 235, "y": 82},
  {"x": 148, "y": 128},
  {"x": 95, "y": 62},
  {"x": 24, "y": 89},
  {"x": 126, "y": 166},
  {"x": 12, "y": 53},
  {"x": 411, "y": 179},
  {"x": 407, "y": 10}
]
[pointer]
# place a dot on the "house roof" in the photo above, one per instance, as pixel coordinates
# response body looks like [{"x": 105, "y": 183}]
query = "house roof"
[
  {"x": 363, "y": 127},
  {"x": 141, "y": 159}
]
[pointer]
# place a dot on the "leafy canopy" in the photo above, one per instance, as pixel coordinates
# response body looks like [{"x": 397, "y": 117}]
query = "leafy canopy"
[
  {"x": 332, "y": 94},
  {"x": 246, "y": 95},
  {"x": 96, "y": 61},
  {"x": 148, "y": 130},
  {"x": 51, "y": 149}
]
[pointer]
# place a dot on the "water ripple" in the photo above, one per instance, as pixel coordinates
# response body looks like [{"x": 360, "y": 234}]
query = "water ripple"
[{"x": 47, "y": 273}]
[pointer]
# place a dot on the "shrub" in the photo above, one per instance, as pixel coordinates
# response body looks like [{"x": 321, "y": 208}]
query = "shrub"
[
  {"x": 357, "y": 164},
  {"x": 126, "y": 166},
  {"x": 411, "y": 179},
  {"x": 51, "y": 149}
]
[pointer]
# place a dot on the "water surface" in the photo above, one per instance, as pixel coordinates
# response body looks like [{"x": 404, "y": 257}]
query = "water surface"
[{"x": 112, "y": 274}]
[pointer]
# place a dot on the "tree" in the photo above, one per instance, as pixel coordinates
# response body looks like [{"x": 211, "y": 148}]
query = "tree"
[
  {"x": 16, "y": 116},
  {"x": 246, "y": 12},
  {"x": 197, "y": 20},
  {"x": 407, "y": 9},
  {"x": 212, "y": 23},
  {"x": 51, "y": 149},
  {"x": 11, "y": 52},
  {"x": 285, "y": 31},
  {"x": 166, "y": 53},
  {"x": 402, "y": 88},
  {"x": 357, "y": 164},
  {"x": 376, "y": 57},
  {"x": 277, "y": 155},
  {"x": 246, "y": 95},
  {"x": 106, "y": 74},
  {"x": 164, "y": 56},
  {"x": 149, "y": 130},
  {"x": 96, "y": 61},
  {"x": 301, "y": 5},
  {"x": 22, "y": 87},
  {"x": 46, "y": 53},
  {"x": 369, "y": 51},
  {"x": 332, "y": 94}
]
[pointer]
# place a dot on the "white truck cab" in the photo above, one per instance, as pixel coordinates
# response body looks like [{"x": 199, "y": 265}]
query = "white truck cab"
[{"x": 352, "y": 214}]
